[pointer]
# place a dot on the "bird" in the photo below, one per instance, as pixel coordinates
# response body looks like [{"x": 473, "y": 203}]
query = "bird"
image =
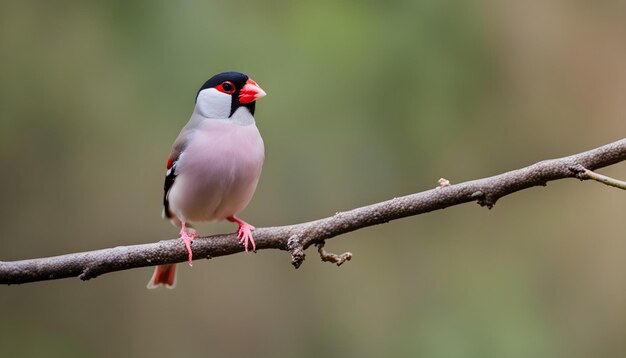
[{"x": 214, "y": 165}]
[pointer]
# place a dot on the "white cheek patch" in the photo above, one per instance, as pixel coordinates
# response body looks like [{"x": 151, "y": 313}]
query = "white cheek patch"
[{"x": 212, "y": 103}]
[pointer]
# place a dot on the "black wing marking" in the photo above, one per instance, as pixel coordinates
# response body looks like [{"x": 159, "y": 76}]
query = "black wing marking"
[{"x": 170, "y": 177}]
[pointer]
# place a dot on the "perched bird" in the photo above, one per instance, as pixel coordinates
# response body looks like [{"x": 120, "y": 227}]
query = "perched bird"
[{"x": 215, "y": 163}]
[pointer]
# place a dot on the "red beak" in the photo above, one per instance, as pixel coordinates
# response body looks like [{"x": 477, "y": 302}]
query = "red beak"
[{"x": 250, "y": 92}]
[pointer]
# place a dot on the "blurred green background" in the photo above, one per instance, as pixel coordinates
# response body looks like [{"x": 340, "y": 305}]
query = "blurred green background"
[{"x": 367, "y": 100}]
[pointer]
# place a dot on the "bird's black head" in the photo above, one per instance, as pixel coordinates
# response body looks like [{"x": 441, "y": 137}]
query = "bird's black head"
[{"x": 224, "y": 93}]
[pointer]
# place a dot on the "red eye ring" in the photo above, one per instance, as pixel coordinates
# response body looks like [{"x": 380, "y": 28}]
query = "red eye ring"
[{"x": 226, "y": 87}]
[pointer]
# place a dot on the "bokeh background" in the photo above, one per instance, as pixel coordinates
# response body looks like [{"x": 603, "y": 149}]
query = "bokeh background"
[{"x": 367, "y": 101}]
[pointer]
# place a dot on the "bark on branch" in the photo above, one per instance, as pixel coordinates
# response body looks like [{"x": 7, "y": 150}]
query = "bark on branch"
[{"x": 297, "y": 238}]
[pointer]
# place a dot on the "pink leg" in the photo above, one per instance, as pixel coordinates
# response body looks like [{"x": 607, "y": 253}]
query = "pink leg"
[
  {"x": 187, "y": 239},
  {"x": 244, "y": 232}
]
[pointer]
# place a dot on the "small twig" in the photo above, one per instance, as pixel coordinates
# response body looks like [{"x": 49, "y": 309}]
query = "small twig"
[
  {"x": 330, "y": 257},
  {"x": 584, "y": 173}
]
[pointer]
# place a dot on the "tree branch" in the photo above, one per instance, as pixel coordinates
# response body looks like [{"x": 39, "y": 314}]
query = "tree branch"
[{"x": 297, "y": 238}]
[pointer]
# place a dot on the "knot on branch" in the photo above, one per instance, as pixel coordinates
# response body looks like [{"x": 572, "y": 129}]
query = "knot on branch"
[
  {"x": 443, "y": 182},
  {"x": 484, "y": 199},
  {"x": 87, "y": 274},
  {"x": 578, "y": 171},
  {"x": 330, "y": 257},
  {"x": 294, "y": 245}
]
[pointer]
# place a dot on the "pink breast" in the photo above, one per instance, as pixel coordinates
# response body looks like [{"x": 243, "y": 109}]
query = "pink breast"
[{"x": 218, "y": 171}]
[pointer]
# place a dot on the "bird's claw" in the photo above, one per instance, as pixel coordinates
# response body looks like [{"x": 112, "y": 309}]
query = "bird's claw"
[
  {"x": 187, "y": 239},
  {"x": 245, "y": 236}
]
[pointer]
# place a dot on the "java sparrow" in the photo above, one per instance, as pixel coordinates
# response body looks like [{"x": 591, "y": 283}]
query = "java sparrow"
[{"x": 215, "y": 163}]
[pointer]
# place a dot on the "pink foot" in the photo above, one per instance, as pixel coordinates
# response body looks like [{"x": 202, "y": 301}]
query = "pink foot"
[
  {"x": 244, "y": 232},
  {"x": 187, "y": 239}
]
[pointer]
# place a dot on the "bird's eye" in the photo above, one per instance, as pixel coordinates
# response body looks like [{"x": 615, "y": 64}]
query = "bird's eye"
[{"x": 226, "y": 87}]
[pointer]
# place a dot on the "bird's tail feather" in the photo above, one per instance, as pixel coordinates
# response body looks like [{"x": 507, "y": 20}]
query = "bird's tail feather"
[{"x": 163, "y": 275}]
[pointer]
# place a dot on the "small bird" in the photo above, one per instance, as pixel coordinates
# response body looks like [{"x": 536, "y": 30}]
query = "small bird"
[{"x": 215, "y": 163}]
